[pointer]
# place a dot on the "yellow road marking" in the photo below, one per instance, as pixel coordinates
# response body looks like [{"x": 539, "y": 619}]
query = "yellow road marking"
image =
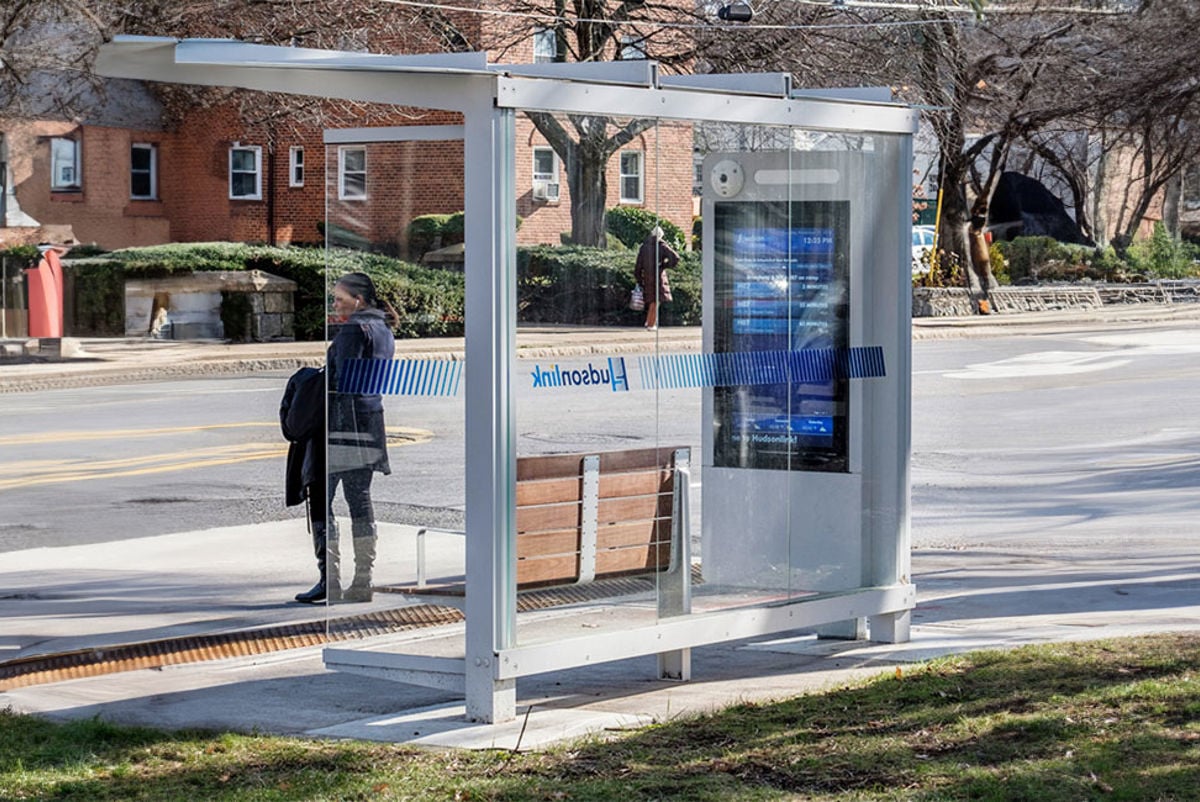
[
  {"x": 31, "y": 473},
  {"x": 114, "y": 434}
]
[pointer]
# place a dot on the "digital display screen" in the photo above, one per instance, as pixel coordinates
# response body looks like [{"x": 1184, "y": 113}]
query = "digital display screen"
[{"x": 781, "y": 270}]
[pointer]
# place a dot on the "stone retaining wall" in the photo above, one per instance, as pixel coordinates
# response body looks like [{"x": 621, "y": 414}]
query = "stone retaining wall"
[
  {"x": 189, "y": 307},
  {"x": 956, "y": 301}
]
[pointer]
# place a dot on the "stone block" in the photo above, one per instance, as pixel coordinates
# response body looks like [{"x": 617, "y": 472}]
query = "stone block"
[
  {"x": 270, "y": 327},
  {"x": 277, "y": 302}
]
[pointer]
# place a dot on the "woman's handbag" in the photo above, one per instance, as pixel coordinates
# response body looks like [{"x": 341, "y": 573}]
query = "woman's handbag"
[{"x": 637, "y": 300}]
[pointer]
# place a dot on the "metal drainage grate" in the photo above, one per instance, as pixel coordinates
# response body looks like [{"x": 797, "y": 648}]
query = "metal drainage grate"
[{"x": 41, "y": 669}]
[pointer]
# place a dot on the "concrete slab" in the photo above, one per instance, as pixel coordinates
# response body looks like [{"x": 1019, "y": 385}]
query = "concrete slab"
[{"x": 444, "y": 726}]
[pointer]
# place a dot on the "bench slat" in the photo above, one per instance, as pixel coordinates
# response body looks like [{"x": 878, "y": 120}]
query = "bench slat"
[
  {"x": 546, "y": 517},
  {"x": 556, "y": 569},
  {"x": 634, "y": 508},
  {"x": 563, "y": 516},
  {"x": 553, "y": 491},
  {"x": 555, "y": 466},
  {"x": 615, "y": 536},
  {"x": 636, "y": 484}
]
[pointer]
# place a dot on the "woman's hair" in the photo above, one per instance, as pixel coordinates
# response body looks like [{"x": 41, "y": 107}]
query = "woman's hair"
[{"x": 359, "y": 285}]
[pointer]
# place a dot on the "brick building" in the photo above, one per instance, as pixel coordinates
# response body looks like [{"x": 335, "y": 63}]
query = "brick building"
[{"x": 212, "y": 176}]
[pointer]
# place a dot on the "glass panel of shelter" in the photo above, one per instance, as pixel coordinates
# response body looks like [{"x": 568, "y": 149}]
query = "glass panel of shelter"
[
  {"x": 592, "y": 495},
  {"x": 778, "y": 522},
  {"x": 732, "y": 382},
  {"x": 742, "y": 387},
  {"x": 395, "y": 552}
]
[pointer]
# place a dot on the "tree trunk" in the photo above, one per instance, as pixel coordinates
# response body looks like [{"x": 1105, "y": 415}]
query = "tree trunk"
[
  {"x": 588, "y": 184},
  {"x": 586, "y": 160},
  {"x": 1172, "y": 196}
]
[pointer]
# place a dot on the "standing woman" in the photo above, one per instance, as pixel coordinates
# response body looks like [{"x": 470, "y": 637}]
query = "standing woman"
[
  {"x": 357, "y": 436},
  {"x": 654, "y": 258}
]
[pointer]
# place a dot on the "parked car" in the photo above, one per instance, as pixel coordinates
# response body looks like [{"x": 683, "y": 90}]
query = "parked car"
[{"x": 922, "y": 248}]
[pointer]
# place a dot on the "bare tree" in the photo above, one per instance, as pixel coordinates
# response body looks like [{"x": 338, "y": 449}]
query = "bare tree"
[
  {"x": 985, "y": 81},
  {"x": 589, "y": 31},
  {"x": 1156, "y": 107},
  {"x": 353, "y": 25},
  {"x": 46, "y": 51}
]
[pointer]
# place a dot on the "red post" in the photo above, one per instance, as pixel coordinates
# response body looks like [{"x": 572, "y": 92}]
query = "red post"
[{"x": 46, "y": 297}]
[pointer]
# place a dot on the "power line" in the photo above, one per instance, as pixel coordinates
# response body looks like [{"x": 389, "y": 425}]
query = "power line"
[{"x": 550, "y": 20}]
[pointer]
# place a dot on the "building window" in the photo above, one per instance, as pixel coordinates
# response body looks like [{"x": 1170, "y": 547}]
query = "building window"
[
  {"x": 545, "y": 45},
  {"x": 545, "y": 175},
  {"x": 352, "y": 173},
  {"x": 143, "y": 171},
  {"x": 633, "y": 48},
  {"x": 245, "y": 172},
  {"x": 631, "y": 176},
  {"x": 296, "y": 167},
  {"x": 1191, "y": 188},
  {"x": 64, "y": 164}
]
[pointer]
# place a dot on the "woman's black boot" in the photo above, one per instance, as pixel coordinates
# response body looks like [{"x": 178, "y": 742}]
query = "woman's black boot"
[{"x": 317, "y": 592}]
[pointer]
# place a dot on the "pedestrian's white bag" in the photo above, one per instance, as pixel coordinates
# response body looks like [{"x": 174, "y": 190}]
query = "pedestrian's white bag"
[{"x": 637, "y": 300}]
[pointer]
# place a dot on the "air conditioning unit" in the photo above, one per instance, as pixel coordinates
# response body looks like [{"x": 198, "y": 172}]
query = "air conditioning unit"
[{"x": 545, "y": 191}]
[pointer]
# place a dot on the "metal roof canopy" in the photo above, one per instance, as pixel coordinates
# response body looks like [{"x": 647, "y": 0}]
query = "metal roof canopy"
[
  {"x": 453, "y": 81},
  {"x": 489, "y": 97}
]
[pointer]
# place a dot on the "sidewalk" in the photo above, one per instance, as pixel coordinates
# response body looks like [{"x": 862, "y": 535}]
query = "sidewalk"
[{"x": 242, "y": 578}]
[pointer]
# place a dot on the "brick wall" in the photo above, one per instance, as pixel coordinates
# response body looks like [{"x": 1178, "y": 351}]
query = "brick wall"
[
  {"x": 1114, "y": 208},
  {"x": 667, "y": 181},
  {"x": 404, "y": 180},
  {"x": 101, "y": 211},
  {"x": 195, "y": 170}
]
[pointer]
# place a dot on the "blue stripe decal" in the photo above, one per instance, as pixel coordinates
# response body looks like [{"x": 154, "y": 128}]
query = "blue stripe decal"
[
  {"x": 440, "y": 377},
  {"x": 427, "y": 377},
  {"x": 810, "y": 366}
]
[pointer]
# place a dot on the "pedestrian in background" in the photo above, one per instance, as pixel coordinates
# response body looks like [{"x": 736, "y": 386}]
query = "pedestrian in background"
[{"x": 655, "y": 257}]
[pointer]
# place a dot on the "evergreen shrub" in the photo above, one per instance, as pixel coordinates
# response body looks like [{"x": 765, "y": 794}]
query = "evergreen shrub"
[
  {"x": 631, "y": 225},
  {"x": 1044, "y": 259},
  {"x": 99, "y": 291},
  {"x": 1162, "y": 256},
  {"x": 591, "y": 286},
  {"x": 423, "y": 234}
]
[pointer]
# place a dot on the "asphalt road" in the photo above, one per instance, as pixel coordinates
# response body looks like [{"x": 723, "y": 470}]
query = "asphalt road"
[
  {"x": 1070, "y": 439},
  {"x": 1083, "y": 440}
]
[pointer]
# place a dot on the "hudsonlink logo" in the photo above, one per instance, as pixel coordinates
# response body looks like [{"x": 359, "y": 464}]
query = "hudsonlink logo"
[{"x": 554, "y": 376}]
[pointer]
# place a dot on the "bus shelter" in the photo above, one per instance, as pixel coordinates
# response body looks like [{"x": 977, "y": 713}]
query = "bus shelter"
[{"x": 585, "y": 483}]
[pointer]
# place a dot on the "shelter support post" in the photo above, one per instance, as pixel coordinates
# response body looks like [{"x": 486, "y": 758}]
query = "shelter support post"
[
  {"x": 891, "y": 627},
  {"x": 490, "y": 259}
]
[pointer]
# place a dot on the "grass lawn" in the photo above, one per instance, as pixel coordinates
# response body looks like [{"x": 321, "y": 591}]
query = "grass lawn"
[{"x": 1108, "y": 720}]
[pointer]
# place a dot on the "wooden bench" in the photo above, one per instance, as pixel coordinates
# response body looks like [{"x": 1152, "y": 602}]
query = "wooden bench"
[{"x": 582, "y": 517}]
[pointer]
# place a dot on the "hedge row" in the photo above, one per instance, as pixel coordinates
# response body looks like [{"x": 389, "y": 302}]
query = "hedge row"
[
  {"x": 1030, "y": 260},
  {"x": 591, "y": 286},
  {"x": 631, "y": 225},
  {"x": 568, "y": 284}
]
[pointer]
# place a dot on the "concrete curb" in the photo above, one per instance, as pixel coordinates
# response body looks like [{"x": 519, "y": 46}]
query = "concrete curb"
[{"x": 124, "y": 374}]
